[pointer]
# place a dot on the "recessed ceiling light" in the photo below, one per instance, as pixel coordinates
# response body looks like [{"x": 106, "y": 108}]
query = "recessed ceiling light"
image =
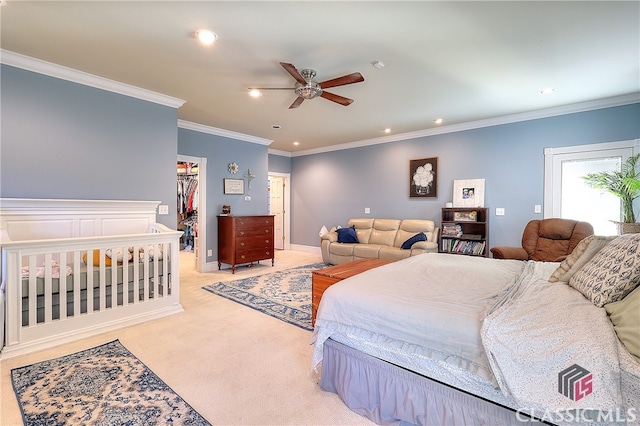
[
  {"x": 547, "y": 91},
  {"x": 378, "y": 64},
  {"x": 206, "y": 36},
  {"x": 275, "y": 126},
  {"x": 296, "y": 143},
  {"x": 255, "y": 93},
  {"x": 387, "y": 130},
  {"x": 438, "y": 121}
]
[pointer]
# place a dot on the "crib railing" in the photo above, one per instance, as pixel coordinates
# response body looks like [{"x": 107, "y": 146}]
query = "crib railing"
[{"x": 59, "y": 290}]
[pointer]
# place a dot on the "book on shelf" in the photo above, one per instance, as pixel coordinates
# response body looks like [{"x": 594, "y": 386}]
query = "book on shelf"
[
  {"x": 454, "y": 245},
  {"x": 451, "y": 229}
]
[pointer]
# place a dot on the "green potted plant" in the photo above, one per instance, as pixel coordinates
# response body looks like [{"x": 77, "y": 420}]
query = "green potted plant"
[{"x": 624, "y": 184}]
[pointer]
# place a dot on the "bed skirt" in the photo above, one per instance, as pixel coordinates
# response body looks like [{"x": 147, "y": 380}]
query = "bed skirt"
[{"x": 390, "y": 395}]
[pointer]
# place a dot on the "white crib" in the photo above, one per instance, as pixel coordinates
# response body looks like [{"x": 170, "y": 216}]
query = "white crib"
[{"x": 52, "y": 296}]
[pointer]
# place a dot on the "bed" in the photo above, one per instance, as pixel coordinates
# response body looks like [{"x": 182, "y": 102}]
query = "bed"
[
  {"x": 74, "y": 268},
  {"x": 447, "y": 339}
]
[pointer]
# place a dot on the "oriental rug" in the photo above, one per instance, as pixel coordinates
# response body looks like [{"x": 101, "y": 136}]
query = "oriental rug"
[
  {"x": 105, "y": 385},
  {"x": 285, "y": 295}
]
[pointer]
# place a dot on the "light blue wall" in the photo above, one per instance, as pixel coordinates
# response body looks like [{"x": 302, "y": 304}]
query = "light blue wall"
[
  {"x": 330, "y": 188},
  {"x": 65, "y": 140},
  {"x": 279, "y": 164},
  {"x": 219, "y": 152}
]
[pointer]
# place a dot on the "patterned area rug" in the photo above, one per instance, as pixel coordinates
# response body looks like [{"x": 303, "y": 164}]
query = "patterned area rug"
[
  {"x": 285, "y": 295},
  {"x": 105, "y": 385}
]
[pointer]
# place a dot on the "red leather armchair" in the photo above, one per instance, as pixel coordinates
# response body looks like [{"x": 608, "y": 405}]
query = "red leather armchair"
[{"x": 546, "y": 240}]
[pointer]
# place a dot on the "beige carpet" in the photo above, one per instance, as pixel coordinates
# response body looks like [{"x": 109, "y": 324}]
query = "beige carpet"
[{"x": 233, "y": 364}]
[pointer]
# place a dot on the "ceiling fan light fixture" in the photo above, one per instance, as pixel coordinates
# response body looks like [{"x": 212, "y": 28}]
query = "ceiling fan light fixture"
[
  {"x": 206, "y": 36},
  {"x": 255, "y": 93},
  {"x": 547, "y": 91},
  {"x": 308, "y": 91}
]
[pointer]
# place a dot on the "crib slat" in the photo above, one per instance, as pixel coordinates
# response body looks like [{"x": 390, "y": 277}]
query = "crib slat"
[
  {"x": 62, "y": 286},
  {"x": 136, "y": 274},
  {"x": 77, "y": 307},
  {"x": 156, "y": 275},
  {"x": 101, "y": 281},
  {"x": 32, "y": 295},
  {"x": 145, "y": 274},
  {"x": 125, "y": 276},
  {"x": 48, "y": 289}
]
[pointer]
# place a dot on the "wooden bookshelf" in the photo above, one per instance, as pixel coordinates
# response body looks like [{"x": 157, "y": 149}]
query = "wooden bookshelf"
[{"x": 464, "y": 230}]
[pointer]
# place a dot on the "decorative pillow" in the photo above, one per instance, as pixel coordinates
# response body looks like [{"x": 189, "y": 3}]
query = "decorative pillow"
[
  {"x": 625, "y": 317},
  {"x": 418, "y": 237},
  {"x": 612, "y": 273},
  {"x": 584, "y": 251},
  {"x": 347, "y": 235}
]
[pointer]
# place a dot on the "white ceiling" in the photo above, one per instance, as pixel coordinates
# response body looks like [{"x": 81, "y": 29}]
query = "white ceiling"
[{"x": 460, "y": 61}]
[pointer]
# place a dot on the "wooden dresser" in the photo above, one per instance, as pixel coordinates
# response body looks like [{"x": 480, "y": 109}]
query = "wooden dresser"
[{"x": 244, "y": 239}]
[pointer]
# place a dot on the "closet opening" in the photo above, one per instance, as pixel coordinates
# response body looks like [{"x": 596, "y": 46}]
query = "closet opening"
[{"x": 191, "y": 217}]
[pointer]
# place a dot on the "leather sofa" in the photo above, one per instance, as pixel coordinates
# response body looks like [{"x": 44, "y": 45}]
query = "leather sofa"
[{"x": 382, "y": 239}]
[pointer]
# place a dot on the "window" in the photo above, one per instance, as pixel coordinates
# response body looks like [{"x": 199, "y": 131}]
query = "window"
[{"x": 566, "y": 194}]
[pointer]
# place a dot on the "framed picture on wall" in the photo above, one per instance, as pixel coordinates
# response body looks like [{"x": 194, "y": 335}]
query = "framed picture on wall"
[
  {"x": 468, "y": 193},
  {"x": 234, "y": 186},
  {"x": 423, "y": 178}
]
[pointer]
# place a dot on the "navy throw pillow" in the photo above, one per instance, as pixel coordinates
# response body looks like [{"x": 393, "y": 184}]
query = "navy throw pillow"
[
  {"x": 418, "y": 237},
  {"x": 347, "y": 235}
]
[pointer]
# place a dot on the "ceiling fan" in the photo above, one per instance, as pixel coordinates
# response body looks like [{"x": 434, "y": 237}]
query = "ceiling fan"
[{"x": 307, "y": 88}]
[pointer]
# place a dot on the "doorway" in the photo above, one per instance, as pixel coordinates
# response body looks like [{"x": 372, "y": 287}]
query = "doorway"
[
  {"x": 279, "y": 206},
  {"x": 566, "y": 194},
  {"x": 197, "y": 223}
]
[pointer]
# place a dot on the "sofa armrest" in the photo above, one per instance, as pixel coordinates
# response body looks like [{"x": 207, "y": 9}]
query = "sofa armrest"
[
  {"x": 332, "y": 237},
  {"x": 517, "y": 253}
]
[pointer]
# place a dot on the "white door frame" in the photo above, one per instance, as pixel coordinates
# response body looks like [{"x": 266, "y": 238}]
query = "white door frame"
[
  {"x": 202, "y": 208},
  {"x": 287, "y": 208}
]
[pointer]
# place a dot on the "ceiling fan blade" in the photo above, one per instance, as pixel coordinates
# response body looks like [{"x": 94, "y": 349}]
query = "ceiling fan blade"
[
  {"x": 337, "y": 98},
  {"x": 356, "y": 77},
  {"x": 294, "y": 72},
  {"x": 272, "y": 88},
  {"x": 297, "y": 102}
]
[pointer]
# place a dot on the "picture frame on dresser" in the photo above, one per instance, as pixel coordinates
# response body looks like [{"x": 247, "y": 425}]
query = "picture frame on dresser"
[{"x": 233, "y": 186}]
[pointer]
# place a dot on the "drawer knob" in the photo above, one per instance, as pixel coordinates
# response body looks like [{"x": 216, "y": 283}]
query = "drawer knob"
[
  {"x": 241, "y": 232},
  {"x": 242, "y": 257},
  {"x": 242, "y": 244}
]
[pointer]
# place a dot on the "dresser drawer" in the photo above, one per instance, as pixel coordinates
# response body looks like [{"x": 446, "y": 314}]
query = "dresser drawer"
[
  {"x": 253, "y": 255},
  {"x": 253, "y": 232},
  {"x": 249, "y": 243}
]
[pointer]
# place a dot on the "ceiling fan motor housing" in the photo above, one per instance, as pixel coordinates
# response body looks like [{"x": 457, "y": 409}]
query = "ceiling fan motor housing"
[{"x": 310, "y": 90}]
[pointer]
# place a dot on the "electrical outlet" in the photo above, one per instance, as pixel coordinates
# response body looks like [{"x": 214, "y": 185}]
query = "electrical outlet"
[
  {"x": 247, "y": 197},
  {"x": 537, "y": 208},
  {"x": 367, "y": 210},
  {"x": 500, "y": 211},
  {"x": 163, "y": 209},
  {"x": 210, "y": 252}
]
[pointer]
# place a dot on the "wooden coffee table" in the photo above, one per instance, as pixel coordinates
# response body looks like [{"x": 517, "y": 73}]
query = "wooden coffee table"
[{"x": 322, "y": 279}]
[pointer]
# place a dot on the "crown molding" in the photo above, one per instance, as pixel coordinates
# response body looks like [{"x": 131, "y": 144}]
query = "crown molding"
[
  {"x": 628, "y": 99},
  {"x": 221, "y": 132},
  {"x": 39, "y": 66},
  {"x": 280, "y": 152}
]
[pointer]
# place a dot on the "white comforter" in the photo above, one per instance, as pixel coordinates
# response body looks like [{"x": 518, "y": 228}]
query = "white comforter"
[
  {"x": 543, "y": 328},
  {"x": 444, "y": 310},
  {"x": 429, "y": 306}
]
